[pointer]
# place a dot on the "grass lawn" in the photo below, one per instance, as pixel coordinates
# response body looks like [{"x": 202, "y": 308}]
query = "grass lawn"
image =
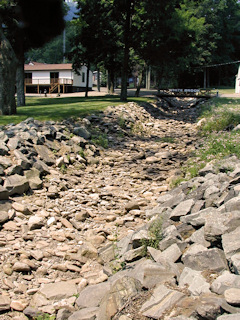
[
  {"x": 226, "y": 90},
  {"x": 57, "y": 109}
]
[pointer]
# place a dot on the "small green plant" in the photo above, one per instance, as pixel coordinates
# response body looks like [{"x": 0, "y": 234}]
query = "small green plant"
[
  {"x": 100, "y": 140},
  {"x": 167, "y": 139},
  {"x": 138, "y": 128},
  {"x": 63, "y": 168},
  {"x": 122, "y": 122},
  {"x": 81, "y": 153},
  {"x": 155, "y": 235}
]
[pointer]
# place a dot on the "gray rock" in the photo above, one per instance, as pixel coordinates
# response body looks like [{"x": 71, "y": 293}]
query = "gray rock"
[
  {"x": 225, "y": 281},
  {"x": 209, "y": 306},
  {"x": 173, "y": 201},
  {"x": 3, "y": 149},
  {"x": 41, "y": 167},
  {"x": 33, "y": 178},
  {"x": 4, "y": 303},
  {"x": 171, "y": 254},
  {"x": 198, "y": 219},
  {"x": 206, "y": 170},
  {"x": 4, "y": 194},
  {"x": 3, "y": 217},
  {"x": 14, "y": 143},
  {"x": 35, "y": 222},
  {"x": 213, "y": 259},
  {"x": 220, "y": 223},
  {"x": 231, "y": 242},
  {"x": 235, "y": 261},
  {"x": 152, "y": 274},
  {"x": 199, "y": 237},
  {"x": 5, "y": 162},
  {"x": 182, "y": 209},
  {"x": 232, "y": 296},
  {"x": 122, "y": 290},
  {"x": 92, "y": 295},
  {"x": 45, "y": 154},
  {"x": 194, "y": 281},
  {"x": 231, "y": 205},
  {"x": 84, "y": 314},
  {"x": 235, "y": 316},
  {"x": 59, "y": 290},
  {"x": 16, "y": 184},
  {"x": 15, "y": 169},
  {"x": 82, "y": 132},
  {"x": 25, "y": 163},
  {"x": 162, "y": 300},
  {"x": 21, "y": 267}
]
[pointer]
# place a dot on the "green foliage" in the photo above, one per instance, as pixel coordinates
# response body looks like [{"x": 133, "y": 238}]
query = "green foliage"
[
  {"x": 154, "y": 235},
  {"x": 100, "y": 139}
]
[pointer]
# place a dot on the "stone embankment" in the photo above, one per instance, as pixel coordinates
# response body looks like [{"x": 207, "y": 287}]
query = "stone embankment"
[{"x": 92, "y": 233}]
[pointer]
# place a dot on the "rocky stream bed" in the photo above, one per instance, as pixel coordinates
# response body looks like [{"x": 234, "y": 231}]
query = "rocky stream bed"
[{"x": 80, "y": 224}]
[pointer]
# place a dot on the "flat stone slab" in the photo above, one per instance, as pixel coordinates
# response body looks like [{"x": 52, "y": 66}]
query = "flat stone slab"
[
  {"x": 232, "y": 296},
  {"x": 58, "y": 290},
  {"x": 225, "y": 281},
  {"x": 162, "y": 300},
  {"x": 16, "y": 184},
  {"x": 231, "y": 243},
  {"x": 182, "y": 209},
  {"x": 235, "y": 316},
  {"x": 212, "y": 259},
  {"x": 194, "y": 281}
]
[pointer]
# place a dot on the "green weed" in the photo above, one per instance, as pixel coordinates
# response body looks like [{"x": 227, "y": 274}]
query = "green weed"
[{"x": 154, "y": 235}]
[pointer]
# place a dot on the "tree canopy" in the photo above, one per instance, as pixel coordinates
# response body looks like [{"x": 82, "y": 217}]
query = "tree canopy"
[{"x": 24, "y": 24}]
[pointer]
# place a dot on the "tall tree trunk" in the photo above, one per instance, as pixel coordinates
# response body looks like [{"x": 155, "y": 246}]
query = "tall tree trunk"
[
  {"x": 110, "y": 82},
  {"x": 98, "y": 80},
  {"x": 126, "y": 53},
  {"x": 20, "y": 83},
  {"x": 140, "y": 80},
  {"x": 87, "y": 83},
  {"x": 8, "y": 66},
  {"x": 148, "y": 78}
]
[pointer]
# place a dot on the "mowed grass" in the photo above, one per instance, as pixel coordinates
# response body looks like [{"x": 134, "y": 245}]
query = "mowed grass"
[{"x": 57, "y": 109}]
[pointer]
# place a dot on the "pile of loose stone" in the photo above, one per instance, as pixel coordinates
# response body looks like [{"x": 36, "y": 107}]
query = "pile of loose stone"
[{"x": 74, "y": 220}]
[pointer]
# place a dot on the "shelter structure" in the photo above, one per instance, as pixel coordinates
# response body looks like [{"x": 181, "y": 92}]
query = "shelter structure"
[{"x": 60, "y": 78}]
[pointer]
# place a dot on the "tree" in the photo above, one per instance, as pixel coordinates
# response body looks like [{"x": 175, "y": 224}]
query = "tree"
[
  {"x": 24, "y": 24},
  {"x": 215, "y": 27}
]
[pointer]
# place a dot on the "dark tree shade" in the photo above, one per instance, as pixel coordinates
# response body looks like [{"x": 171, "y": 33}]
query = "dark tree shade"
[{"x": 40, "y": 20}]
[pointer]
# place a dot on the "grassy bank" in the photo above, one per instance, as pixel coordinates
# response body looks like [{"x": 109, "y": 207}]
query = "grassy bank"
[
  {"x": 57, "y": 109},
  {"x": 218, "y": 138}
]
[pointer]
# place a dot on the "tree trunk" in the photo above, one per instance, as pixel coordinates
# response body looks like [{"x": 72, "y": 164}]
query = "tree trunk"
[
  {"x": 148, "y": 78},
  {"x": 140, "y": 79},
  {"x": 126, "y": 53},
  {"x": 110, "y": 82},
  {"x": 20, "y": 83},
  {"x": 98, "y": 80},
  {"x": 8, "y": 66},
  {"x": 87, "y": 83}
]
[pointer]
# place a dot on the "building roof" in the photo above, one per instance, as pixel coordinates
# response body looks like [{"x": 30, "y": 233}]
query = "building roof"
[{"x": 37, "y": 66}]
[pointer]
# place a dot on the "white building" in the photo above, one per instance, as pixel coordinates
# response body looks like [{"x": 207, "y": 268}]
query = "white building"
[
  {"x": 55, "y": 78},
  {"x": 237, "y": 86}
]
